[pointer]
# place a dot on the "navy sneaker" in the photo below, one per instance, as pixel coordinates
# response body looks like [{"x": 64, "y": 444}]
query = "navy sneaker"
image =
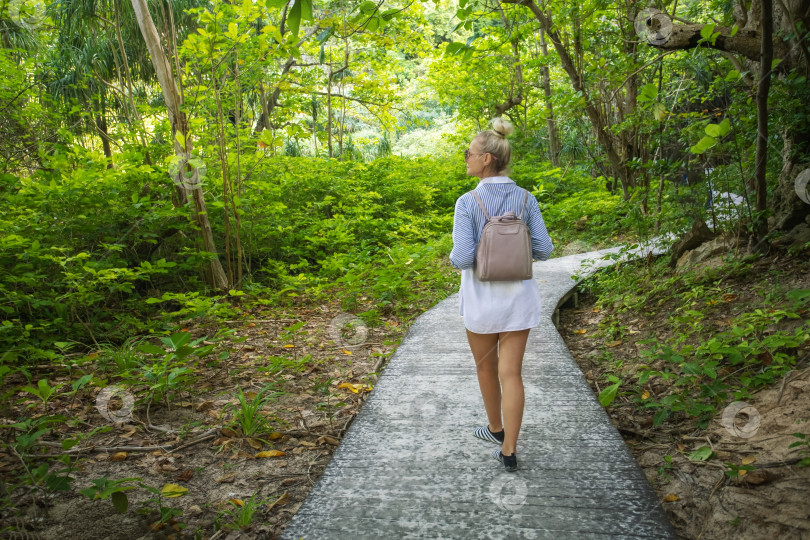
[{"x": 509, "y": 462}]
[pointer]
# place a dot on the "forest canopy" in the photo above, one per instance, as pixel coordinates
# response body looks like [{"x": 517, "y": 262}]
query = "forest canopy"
[{"x": 156, "y": 151}]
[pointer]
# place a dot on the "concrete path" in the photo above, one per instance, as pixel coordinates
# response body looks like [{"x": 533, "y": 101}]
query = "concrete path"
[{"x": 409, "y": 466}]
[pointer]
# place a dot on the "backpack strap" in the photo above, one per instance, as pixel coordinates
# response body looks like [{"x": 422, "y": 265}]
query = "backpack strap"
[
  {"x": 525, "y": 199},
  {"x": 481, "y": 204}
]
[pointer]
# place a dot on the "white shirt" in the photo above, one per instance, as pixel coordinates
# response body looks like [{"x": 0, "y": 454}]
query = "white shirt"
[{"x": 496, "y": 306}]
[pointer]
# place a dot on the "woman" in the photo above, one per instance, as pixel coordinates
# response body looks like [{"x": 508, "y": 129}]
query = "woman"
[{"x": 497, "y": 314}]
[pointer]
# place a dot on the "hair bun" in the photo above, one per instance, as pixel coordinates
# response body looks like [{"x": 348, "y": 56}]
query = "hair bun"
[{"x": 503, "y": 128}]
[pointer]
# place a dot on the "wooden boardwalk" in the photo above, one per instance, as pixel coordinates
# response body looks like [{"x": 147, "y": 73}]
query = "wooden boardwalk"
[{"x": 409, "y": 466}]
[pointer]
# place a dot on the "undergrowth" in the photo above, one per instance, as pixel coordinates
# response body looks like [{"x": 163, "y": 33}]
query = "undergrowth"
[{"x": 727, "y": 342}]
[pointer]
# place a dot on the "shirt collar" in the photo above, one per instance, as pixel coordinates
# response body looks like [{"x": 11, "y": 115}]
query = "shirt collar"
[{"x": 496, "y": 180}]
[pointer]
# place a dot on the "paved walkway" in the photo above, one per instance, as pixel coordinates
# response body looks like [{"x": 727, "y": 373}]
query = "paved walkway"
[{"x": 409, "y": 466}]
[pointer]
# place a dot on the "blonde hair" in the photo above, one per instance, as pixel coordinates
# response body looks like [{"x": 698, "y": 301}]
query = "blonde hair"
[{"x": 493, "y": 141}]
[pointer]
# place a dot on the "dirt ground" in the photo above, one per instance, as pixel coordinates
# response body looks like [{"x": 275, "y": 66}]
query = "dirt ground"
[
  {"x": 203, "y": 453},
  {"x": 207, "y": 456},
  {"x": 770, "y": 502}
]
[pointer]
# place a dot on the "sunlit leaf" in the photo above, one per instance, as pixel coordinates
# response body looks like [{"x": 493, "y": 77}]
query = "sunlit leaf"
[
  {"x": 607, "y": 395},
  {"x": 173, "y": 490},
  {"x": 701, "y": 454},
  {"x": 270, "y": 453}
]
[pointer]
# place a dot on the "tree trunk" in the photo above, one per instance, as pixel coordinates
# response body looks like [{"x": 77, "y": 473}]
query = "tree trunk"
[
  {"x": 101, "y": 123},
  {"x": 315, "y": 126},
  {"x": 789, "y": 209},
  {"x": 179, "y": 123},
  {"x": 516, "y": 84},
  {"x": 101, "y": 126},
  {"x": 551, "y": 122},
  {"x": 763, "y": 88},
  {"x": 329, "y": 112}
]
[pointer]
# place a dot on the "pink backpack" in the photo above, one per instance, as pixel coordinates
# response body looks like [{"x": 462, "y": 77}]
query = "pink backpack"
[{"x": 504, "y": 252}]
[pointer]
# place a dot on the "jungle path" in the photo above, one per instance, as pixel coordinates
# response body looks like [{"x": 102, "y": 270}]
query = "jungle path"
[{"x": 409, "y": 466}]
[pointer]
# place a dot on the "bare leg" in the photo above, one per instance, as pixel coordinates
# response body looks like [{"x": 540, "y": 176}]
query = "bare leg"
[
  {"x": 512, "y": 345},
  {"x": 484, "y": 348}
]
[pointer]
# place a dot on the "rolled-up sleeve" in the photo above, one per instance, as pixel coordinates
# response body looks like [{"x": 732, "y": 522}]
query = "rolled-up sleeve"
[
  {"x": 463, "y": 253},
  {"x": 541, "y": 241}
]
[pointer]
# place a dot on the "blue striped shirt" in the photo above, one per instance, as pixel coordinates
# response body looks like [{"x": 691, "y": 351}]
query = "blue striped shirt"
[{"x": 500, "y": 195}]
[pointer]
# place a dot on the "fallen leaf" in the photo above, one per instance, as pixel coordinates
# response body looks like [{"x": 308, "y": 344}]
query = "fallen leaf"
[
  {"x": 596, "y": 310},
  {"x": 759, "y": 477},
  {"x": 222, "y": 440},
  {"x": 283, "y": 499},
  {"x": 237, "y": 502},
  {"x": 120, "y": 456},
  {"x": 347, "y": 352},
  {"x": 328, "y": 440},
  {"x": 275, "y": 435},
  {"x": 289, "y": 346},
  {"x": 681, "y": 447},
  {"x": 271, "y": 453},
  {"x": 729, "y": 297},
  {"x": 227, "y": 479},
  {"x": 308, "y": 444},
  {"x": 645, "y": 395},
  {"x": 254, "y": 443},
  {"x": 173, "y": 490},
  {"x": 765, "y": 358},
  {"x": 131, "y": 430},
  {"x": 353, "y": 387},
  {"x": 184, "y": 476},
  {"x": 228, "y": 432},
  {"x": 580, "y": 331},
  {"x": 92, "y": 356},
  {"x": 671, "y": 498},
  {"x": 742, "y": 472},
  {"x": 613, "y": 343},
  {"x": 204, "y": 406},
  {"x": 748, "y": 460}
]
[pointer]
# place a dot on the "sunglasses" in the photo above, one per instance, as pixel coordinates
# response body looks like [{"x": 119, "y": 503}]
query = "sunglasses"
[{"x": 467, "y": 154}]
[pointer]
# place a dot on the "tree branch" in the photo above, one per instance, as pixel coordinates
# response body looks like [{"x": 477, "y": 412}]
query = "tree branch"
[{"x": 744, "y": 42}]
